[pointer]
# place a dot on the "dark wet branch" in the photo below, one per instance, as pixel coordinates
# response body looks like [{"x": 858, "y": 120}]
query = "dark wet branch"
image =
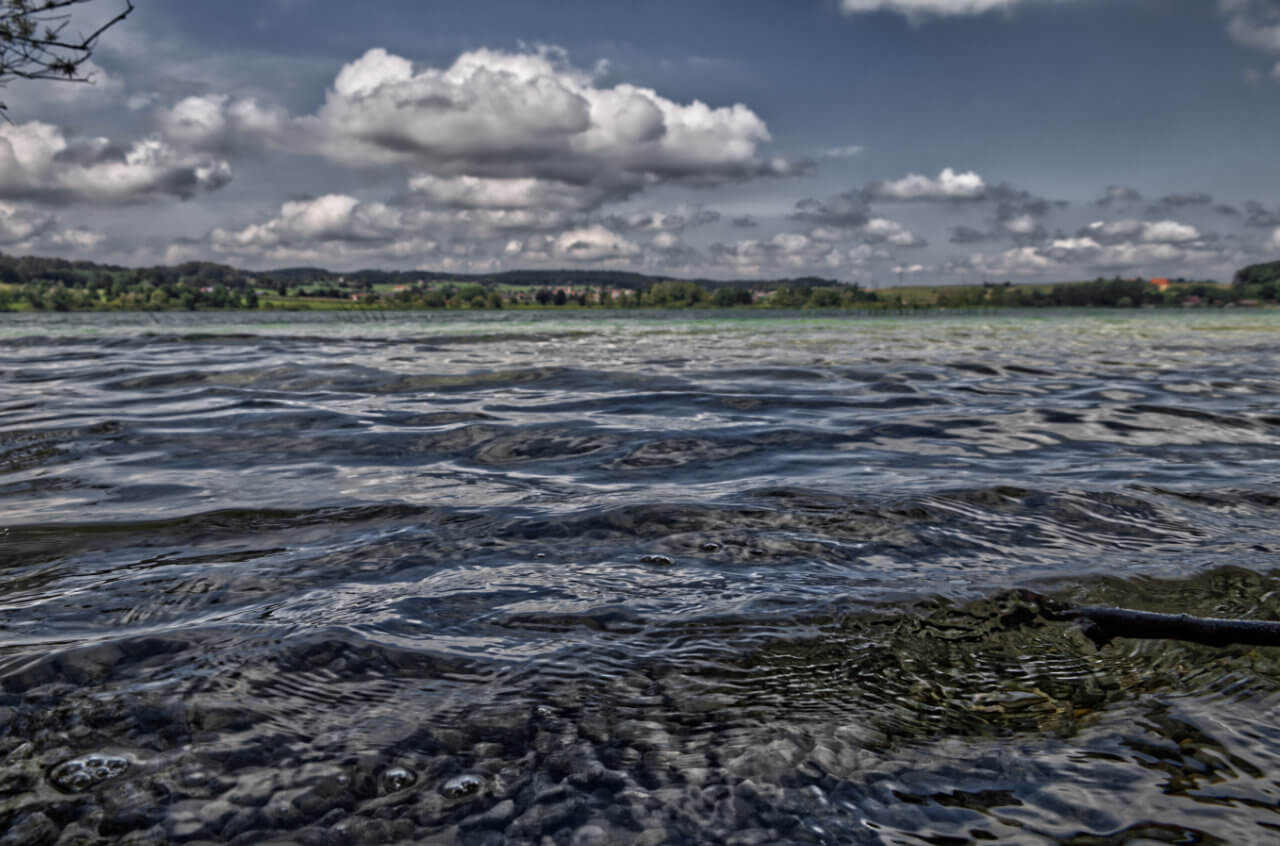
[{"x": 1101, "y": 625}]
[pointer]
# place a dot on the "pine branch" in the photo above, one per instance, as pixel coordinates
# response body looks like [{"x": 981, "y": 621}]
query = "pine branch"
[{"x": 32, "y": 44}]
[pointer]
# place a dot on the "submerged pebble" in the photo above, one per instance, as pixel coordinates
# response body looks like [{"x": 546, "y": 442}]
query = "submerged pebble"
[
  {"x": 398, "y": 778},
  {"x": 81, "y": 774},
  {"x": 461, "y": 786}
]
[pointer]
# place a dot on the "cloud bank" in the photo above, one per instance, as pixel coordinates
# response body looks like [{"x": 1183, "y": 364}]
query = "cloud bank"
[
  {"x": 38, "y": 163},
  {"x": 497, "y": 129}
]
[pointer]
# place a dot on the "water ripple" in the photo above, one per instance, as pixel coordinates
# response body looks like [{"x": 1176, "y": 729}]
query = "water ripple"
[{"x": 684, "y": 577}]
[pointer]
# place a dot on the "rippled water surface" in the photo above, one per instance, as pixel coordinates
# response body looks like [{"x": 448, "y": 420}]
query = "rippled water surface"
[{"x": 652, "y": 578}]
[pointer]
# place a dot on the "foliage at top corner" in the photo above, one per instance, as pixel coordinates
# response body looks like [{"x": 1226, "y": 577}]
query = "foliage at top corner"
[{"x": 38, "y": 41}]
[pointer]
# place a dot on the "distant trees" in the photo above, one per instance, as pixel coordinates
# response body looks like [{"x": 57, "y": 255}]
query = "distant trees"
[
  {"x": 827, "y": 294},
  {"x": 54, "y": 284},
  {"x": 674, "y": 293},
  {"x": 729, "y": 297},
  {"x": 1257, "y": 274},
  {"x": 1105, "y": 292}
]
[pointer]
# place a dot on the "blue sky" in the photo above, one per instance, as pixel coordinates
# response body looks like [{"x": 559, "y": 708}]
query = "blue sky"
[{"x": 866, "y": 140}]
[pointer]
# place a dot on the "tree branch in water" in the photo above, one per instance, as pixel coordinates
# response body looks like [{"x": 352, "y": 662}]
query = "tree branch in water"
[{"x": 1101, "y": 625}]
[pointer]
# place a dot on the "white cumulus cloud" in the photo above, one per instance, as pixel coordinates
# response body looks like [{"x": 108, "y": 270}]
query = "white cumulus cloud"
[
  {"x": 922, "y": 8},
  {"x": 1154, "y": 232},
  {"x": 1066, "y": 247},
  {"x": 1018, "y": 261},
  {"x": 333, "y": 224},
  {"x": 1115, "y": 230},
  {"x": 949, "y": 185},
  {"x": 1169, "y": 232},
  {"x": 1140, "y": 255},
  {"x": 881, "y": 230},
  {"x": 593, "y": 244},
  {"x": 848, "y": 151},
  {"x": 495, "y": 130},
  {"x": 1023, "y": 224},
  {"x": 1253, "y": 23},
  {"x": 493, "y": 115},
  {"x": 38, "y": 163},
  {"x": 215, "y": 122},
  {"x": 783, "y": 253},
  {"x": 478, "y": 192},
  {"x": 77, "y": 238}
]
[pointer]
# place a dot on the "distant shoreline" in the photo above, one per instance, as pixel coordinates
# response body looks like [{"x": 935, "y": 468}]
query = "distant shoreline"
[{"x": 44, "y": 284}]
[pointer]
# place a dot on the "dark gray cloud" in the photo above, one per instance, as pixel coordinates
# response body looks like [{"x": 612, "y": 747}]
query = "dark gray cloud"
[
  {"x": 969, "y": 235},
  {"x": 1259, "y": 216},
  {"x": 746, "y": 221},
  {"x": 1019, "y": 212},
  {"x": 1012, "y": 202},
  {"x": 84, "y": 152},
  {"x": 1116, "y": 194},
  {"x": 648, "y": 221},
  {"x": 704, "y": 217},
  {"x": 1195, "y": 198},
  {"x": 853, "y": 207},
  {"x": 845, "y": 210},
  {"x": 654, "y": 221}
]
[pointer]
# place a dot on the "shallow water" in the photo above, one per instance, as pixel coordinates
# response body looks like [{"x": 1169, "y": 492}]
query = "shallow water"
[{"x": 682, "y": 577}]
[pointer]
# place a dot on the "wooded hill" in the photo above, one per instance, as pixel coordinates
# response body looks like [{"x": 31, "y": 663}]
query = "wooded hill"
[
  {"x": 1267, "y": 273},
  {"x": 29, "y": 269}
]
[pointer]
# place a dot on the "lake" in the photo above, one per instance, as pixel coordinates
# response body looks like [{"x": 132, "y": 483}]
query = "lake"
[{"x": 634, "y": 577}]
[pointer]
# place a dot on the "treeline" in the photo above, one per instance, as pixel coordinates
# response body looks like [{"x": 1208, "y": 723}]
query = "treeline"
[
  {"x": 1266, "y": 276},
  {"x": 60, "y": 285},
  {"x": 1098, "y": 293},
  {"x": 50, "y": 284},
  {"x": 20, "y": 270},
  {"x": 1119, "y": 293},
  {"x": 552, "y": 279},
  {"x": 669, "y": 293}
]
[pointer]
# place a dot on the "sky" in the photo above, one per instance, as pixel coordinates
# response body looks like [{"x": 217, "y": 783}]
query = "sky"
[{"x": 871, "y": 141}]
